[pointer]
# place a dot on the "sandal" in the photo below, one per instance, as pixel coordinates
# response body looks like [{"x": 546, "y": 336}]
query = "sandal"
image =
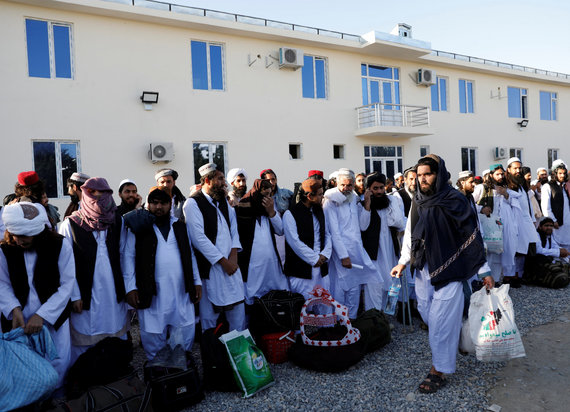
[{"x": 432, "y": 383}]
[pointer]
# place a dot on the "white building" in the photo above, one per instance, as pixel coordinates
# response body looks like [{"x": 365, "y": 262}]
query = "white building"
[{"x": 74, "y": 71}]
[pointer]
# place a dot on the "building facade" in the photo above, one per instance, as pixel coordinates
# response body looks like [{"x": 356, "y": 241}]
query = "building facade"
[{"x": 251, "y": 93}]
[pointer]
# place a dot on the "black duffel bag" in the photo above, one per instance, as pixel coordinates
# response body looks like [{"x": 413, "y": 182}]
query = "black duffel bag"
[
  {"x": 374, "y": 329},
  {"x": 218, "y": 372},
  {"x": 276, "y": 311}
]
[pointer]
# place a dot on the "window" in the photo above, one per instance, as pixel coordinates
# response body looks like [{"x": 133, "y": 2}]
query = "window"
[
  {"x": 380, "y": 85},
  {"x": 465, "y": 96},
  {"x": 424, "y": 151},
  {"x": 383, "y": 159},
  {"x": 517, "y": 102},
  {"x": 207, "y": 65},
  {"x": 469, "y": 159},
  {"x": 552, "y": 156},
  {"x": 313, "y": 75},
  {"x": 338, "y": 151},
  {"x": 295, "y": 151},
  {"x": 209, "y": 153},
  {"x": 55, "y": 162},
  {"x": 516, "y": 152},
  {"x": 49, "y": 49},
  {"x": 548, "y": 103},
  {"x": 439, "y": 95}
]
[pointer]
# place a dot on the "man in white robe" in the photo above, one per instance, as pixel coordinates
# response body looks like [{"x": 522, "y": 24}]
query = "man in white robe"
[
  {"x": 45, "y": 260},
  {"x": 555, "y": 202},
  {"x": 308, "y": 246},
  {"x": 213, "y": 231},
  {"x": 161, "y": 276},
  {"x": 258, "y": 222},
  {"x": 447, "y": 256},
  {"x": 98, "y": 296},
  {"x": 351, "y": 267}
]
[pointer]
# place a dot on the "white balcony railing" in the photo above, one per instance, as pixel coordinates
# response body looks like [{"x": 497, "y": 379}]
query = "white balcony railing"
[{"x": 382, "y": 114}]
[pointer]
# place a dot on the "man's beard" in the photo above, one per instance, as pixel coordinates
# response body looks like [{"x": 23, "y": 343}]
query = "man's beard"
[
  {"x": 379, "y": 202},
  {"x": 359, "y": 189},
  {"x": 349, "y": 196},
  {"x": 240, "y": 191},
  {"x": 543, "y": 180},
  {"x": 74, "y": 198},
  {"x": 429, "y": 191},
  {"x": 162, "y": 220},
  {"x": 218, "y": 193},
  {"x": 498, "y": 183},
  {"x": 518, "y": 179}
]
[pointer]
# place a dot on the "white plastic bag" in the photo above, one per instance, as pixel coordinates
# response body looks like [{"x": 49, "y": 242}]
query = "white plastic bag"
[
  {"x": 492, "y": 325},
  {"x": 465, "y": 342},
  {"x": 492, "y": 230}
]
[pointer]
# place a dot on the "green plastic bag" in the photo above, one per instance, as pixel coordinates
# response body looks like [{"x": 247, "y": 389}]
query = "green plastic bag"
[{"x": 251, "y": 369}]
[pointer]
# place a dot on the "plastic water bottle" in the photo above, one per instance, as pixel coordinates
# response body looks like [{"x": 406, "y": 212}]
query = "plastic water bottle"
[{"x": 393, "y": 297}]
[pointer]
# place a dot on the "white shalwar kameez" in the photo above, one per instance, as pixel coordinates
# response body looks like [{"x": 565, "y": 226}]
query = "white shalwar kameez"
[
  {"x": 562, "y": 234},
  {"x": 105, "y": 317},
  {"x": 308, "y": 255},
  {"x": 264, "y": 272},
  {"x": 502, "y": 263},
  {"x": 51, "y": 309},
  {"x": 220, "y": 289},
  {"x": 392, "y": 216},
  {"x": 171, "y": 310},
  {"x": 524, "y": 216},
  {"x": 343, "y": 218}
]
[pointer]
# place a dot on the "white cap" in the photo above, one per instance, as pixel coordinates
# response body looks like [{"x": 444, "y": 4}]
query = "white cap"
[
  {"x": 25, "y": 218},
  {"x": 234, "y": 173},
  {"x": 127, "y": 182},
  {"x": 465, "y": 173},
  {"x": 397, "y": 175},
  {"x": 79, "y": 177},
  {"x": 485, "y": 172},
  {"x": 333, "y": 175},
  {"x": 557, "y": 163},
  {"x": 207, "y": 168},
  {"x": 512, "y": 160},
  {"x": 541, "y": 168}
]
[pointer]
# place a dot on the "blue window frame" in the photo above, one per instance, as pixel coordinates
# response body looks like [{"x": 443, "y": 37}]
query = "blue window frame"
[
  {"x": 313, "y": 77},
  {"x": 207, "y": 65},
  {"x": 55, "y": 162},
  {"x": 548, "y": 105},
  {"x": 49, "y": 49},
  {"x": 517, "y": 102},
  {"x": 439, "y": 95},
  {"x": 465, "y": 96},
  {"x": 380, "y": 85}
]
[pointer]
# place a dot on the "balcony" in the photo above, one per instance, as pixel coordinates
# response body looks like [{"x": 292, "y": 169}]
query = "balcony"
[{"x": 392, "y": 120}]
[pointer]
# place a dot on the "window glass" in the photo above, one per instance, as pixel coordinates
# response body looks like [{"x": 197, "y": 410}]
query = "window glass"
[
  {"x": 514, "y": 96},
  {"x": 199, "y": 65},
  {"x": 462, "y": 97},
  {"x": 45, "y": 165},
  {"x": 387, "y": 93},
  {"x": 378, "y": 71},
  {"x": 363, "y": 70},
  {"x": 320, "y": 78},
  {"x": 469, "y": 97},
  {"x": 443, "y": 94},
  {"x": 374, "y": 92},
  {"x": 216, "y": 72},
  {"x": 38, "y": 48},
  {"x": 68, "y": 163},
  {"x": 364, "y": 92},
  {"x": 62, "y": 51},
  {"x": 308, "y": 78},
  {"x": 434, "y": 98}
]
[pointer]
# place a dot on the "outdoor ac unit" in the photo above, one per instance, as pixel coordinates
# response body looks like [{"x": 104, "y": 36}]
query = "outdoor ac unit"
[
  {"x": 500, "y": 153},
  {"x": 161, "y": 152},
  {"x": 290, "y": 58},
  {"x": 426, "y": 77}
]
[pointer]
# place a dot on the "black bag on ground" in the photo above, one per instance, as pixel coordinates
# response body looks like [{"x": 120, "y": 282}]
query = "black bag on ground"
[
  {"x": 374, "y": 329},
  {"x": 126, "y": 394},
  {"x": 276, "y": 311},
  {"x": 106, "y": 362},
  {"x": 542, "y": 271},
  {"x": 326, "y": 359},
  {"x": 218, "y": 372},
  {"x": 174, "y": 389}
]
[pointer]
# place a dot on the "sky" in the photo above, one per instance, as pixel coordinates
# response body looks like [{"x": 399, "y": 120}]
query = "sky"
[{"x": 533, "y": 33}]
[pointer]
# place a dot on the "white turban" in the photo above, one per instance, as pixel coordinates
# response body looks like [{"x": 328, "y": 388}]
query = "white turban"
[
  {"x": 234, "y": 173},
  {"x": 25, "y": 218}
]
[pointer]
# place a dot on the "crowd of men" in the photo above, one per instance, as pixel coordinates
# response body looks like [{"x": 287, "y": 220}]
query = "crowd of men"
[{"x": 225, "y": 245}]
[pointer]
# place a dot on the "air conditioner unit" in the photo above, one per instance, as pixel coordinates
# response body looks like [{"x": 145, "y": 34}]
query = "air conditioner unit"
[
  {"x": 500, "y": 153},
  {"x": 426, "y": 77},
  {"x": 161, "y": 152},
  {"x": 290, "y": 58}
]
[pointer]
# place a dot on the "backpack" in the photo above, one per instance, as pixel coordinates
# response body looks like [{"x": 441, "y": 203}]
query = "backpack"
[{"x": 276, "y": 311}]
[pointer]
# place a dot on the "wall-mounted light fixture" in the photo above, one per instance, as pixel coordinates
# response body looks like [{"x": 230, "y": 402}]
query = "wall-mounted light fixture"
[
  {"x": 149, "y": 98},
  {"x": 523, "y": 123}
]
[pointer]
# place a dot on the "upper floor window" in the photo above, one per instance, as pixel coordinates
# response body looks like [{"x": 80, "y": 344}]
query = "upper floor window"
[
  {"x": 439, "y": 95},
  {"x": 517, "y": 102},
  {"x": 380, "y": 85},
  {"x": 548, "y": 103},
  {"x": 55, "y": 162},
  {"x": 314, "y": 77},
  {"x": 49, "y": 49},
  {"x": 207, "y": 65},
  {"x": 465, "y": 96}
]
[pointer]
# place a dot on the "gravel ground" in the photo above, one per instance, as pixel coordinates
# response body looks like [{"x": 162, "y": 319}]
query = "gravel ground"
[{"x": 388, "y": 378}]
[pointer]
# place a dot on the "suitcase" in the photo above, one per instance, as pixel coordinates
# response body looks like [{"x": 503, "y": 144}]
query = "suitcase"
[{"x": 174, "y": 389}]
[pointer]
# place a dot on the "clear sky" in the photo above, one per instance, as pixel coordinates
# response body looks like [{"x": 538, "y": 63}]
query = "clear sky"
[{"x": 534, "y": 33}]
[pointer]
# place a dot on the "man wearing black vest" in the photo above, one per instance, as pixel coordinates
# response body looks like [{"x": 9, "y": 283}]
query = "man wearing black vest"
[
  {"x": 160, "y": 273},
  {"x": 308, "y": 244},
  {"x": 407, "y": 192},
  {"x": 211, "y": 222},
  {"x": 98, "y": 297},
  {"x": 555, "y": 203},
  {"x": 36, "y": 278}
]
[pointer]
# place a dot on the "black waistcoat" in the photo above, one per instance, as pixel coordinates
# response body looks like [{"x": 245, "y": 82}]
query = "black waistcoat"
[
  {"x": 210, "y": 216},
  {"x": 371, "y": 236},
  {"x": 406, "y": 199},
  {"x": 294, "y": 265},
  {"x": 46, "y": 279},
  {"x": 557, "y": 193},
  {"x": 145, "y": 261},
  {"x": 85, "y": 253}
]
